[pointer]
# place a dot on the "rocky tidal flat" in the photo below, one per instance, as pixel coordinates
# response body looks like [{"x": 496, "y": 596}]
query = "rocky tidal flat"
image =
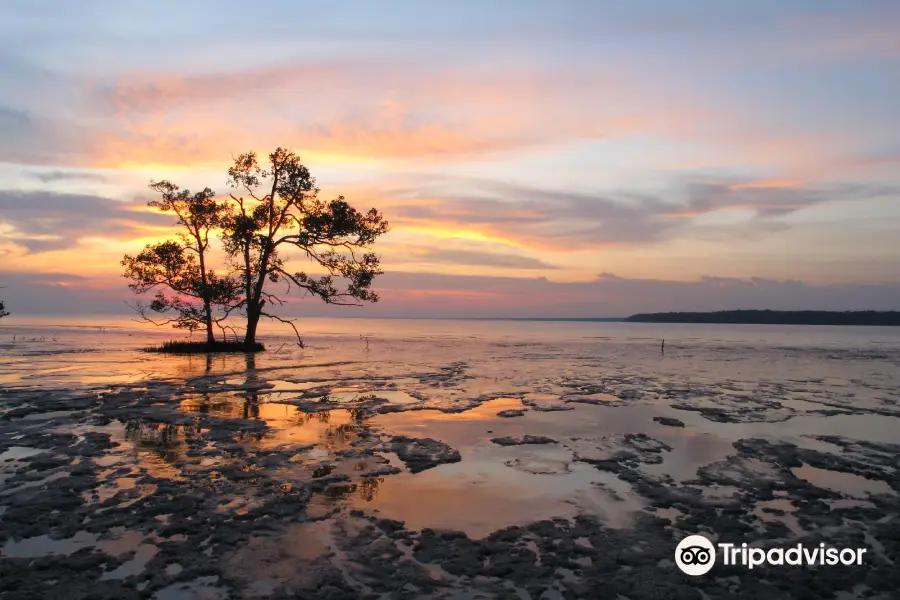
[{"x": 443, "y": 469}]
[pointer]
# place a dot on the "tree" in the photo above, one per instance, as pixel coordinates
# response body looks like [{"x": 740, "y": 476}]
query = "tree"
[
  {"x": 182, "y": 266},
  {"x": 277, "y": 209},
  {"x": 3, "y": 312}
]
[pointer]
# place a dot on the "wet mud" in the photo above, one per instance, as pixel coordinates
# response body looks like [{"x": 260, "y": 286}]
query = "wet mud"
[{"x": 333, "y": 479}]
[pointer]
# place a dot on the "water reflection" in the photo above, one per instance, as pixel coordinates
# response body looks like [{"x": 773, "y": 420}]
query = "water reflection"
[
  {"x": 286, "y": 424},
  {"x": 846, "y": 483},
  {"x": 229, "y": 405},
  {"x": 366, "y": 490},
  {"x": 338, "y": 494},
  {"x": 329, "y": 430},
  {"x": 221, "y": 404},
  {"x": 160, "y": 445},
  {"x": 163, "y": 439}
]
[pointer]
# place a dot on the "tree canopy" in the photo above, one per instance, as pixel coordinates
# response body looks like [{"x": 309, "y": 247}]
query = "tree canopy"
[
  {"x": 272, "y": 217},
  {"x": 276, "y": 208},
  {"x": 177, "y": 270}
]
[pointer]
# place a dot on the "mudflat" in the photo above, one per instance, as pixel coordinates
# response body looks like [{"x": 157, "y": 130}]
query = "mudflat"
[{"x": 457, "y": 465}]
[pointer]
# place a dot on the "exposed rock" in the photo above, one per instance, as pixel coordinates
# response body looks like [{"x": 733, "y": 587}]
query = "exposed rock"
[
  {"x": 511, "y": 413},
  {"x": 546, "y": 405},
  {"x": 738, "y": 409},
  {"x": 527, "y": 439},
  {"x": 618, "y": 453},
  {"x": 419, "y": 454}
]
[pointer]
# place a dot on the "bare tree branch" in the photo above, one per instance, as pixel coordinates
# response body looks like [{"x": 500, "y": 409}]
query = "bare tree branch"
[{"x": 287, "y": 322}]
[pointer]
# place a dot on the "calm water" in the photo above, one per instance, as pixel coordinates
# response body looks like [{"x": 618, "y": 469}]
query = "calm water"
[{"x": 55, "y": 350}]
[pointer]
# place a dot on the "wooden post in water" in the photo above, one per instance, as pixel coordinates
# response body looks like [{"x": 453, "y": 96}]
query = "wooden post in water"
[{"x": 662, "y": 347}]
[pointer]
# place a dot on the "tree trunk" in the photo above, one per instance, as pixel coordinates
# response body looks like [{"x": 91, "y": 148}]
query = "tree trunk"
[
  {"x": 252, "y": 309},
  {"x": 207, "y": 310},
  {"x": 255, "y": 307},
  {"x": 204, "y": 282},
  {"x": 253, "y": 314}
]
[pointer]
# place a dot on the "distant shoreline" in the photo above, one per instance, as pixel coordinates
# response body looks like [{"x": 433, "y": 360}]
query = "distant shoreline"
[
  {"x": 726, "y": 317},
  {"x": 872, "y": 318}
]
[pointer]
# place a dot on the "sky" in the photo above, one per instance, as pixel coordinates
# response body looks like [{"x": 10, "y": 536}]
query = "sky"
[{"x": 534, "y": 158}]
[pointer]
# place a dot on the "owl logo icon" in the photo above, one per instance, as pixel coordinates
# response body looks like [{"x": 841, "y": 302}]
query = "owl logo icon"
[{"x": 695, "y": 555}]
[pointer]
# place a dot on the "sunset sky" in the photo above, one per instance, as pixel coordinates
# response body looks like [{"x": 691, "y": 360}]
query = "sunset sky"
[{"x": 567, "y": 158}]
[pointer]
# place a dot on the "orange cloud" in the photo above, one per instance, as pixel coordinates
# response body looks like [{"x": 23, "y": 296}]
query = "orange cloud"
[
  {"x": 350, "y": 111},
  {"x": 769, "y": 183},
  {"x": 165, "y": 91},
  {"x": 199, "y": 142}
]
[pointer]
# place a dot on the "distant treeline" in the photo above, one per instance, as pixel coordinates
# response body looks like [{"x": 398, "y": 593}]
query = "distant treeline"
[{"x": 775, "y": 317}]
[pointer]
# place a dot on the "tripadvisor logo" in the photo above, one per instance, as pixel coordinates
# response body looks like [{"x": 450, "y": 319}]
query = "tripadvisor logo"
[{"x": 696, "y": 555}]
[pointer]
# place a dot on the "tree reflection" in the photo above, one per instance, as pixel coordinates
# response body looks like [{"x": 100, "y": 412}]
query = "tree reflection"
[
  {"x": 368, "y": 487},
  {"x": 251, "y": 380},
  {"x": 164, "y": 440}
]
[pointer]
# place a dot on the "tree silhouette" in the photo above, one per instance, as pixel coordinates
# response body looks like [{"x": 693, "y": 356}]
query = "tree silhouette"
[
  {"x": 182, "y": 266},
  {"x": 3, "y": 312},
  {"x": 278, "y": 208}
]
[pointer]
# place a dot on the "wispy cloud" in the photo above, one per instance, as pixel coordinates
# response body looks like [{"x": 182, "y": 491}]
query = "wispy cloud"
[
  {"x": 476, "y": 258},
  {"x": 564, "y": 220},
  {"x": 42, "y": 221},
  {"x": 359, "y": 110},
  {"x": 54, "y": 176},
  {"x": 438, "y": 108},
  {"x": 511, "y": 215},
  {"x": 13, "y": 120}
]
